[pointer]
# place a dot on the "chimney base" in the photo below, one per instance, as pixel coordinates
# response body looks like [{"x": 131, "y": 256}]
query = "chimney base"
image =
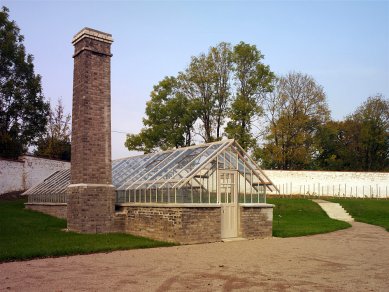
[{"x": 90, "y": 208}]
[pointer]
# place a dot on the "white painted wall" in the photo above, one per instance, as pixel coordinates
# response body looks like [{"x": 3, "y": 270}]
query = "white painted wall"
[
  {"x": 331, "y": 183},
  {"x": 11, "y": 176},
  {"x": 27, "y": 172}
]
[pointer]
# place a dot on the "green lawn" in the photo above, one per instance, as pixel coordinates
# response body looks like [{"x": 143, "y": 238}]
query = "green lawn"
[
  {"x": 370, "y": 211},
  {"x": 299, "y": 217},
  {"x": 26, "y": 234}
]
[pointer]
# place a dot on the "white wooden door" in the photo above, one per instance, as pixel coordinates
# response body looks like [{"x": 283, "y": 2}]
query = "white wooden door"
[{"x": 229, "y": 204}]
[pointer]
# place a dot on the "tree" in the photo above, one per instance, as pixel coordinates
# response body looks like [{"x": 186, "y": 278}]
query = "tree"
[
  {"x": 252, "y": 79},
  {"x": 295, "y": 111},
  {"x": 55, "y": 143},
  {"x": 206, "y": 81},
  {"x": 23, "y": 110},
  {"x": 170, "y": 116},
  {"x": 331, "y": 141},
  {"x": 222, "y": 59},
  {"x": 200, "y": 100},
  {"x": 360, "y": 142},
  {"x": 373, "y": 117}
]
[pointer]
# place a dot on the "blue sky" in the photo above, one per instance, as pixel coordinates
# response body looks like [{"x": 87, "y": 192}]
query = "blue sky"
[{"x": 344, "y": 45}]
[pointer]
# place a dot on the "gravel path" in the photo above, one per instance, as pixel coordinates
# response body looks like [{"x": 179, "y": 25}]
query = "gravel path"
[{"x": 355, "y": 259}]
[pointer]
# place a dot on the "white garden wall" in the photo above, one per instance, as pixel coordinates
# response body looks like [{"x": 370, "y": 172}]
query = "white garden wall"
[
  {"x": 26, "y": 172},
  {"x": 11, "y": 176},
  {"x": 331, "y": 183}
]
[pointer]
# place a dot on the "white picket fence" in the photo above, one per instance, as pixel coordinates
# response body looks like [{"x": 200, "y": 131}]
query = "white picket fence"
[
  {"x": 368, "y": 191},
  {"x": 331, "y": 183}
]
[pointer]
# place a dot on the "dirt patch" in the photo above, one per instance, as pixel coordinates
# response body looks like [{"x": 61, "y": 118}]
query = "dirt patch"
[{"x": 355, "y": 259}]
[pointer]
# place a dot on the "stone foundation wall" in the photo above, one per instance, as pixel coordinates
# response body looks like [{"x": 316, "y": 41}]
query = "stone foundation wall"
[
  {"x": 91, "y": 208},
  {"x": 175, "y": 223},
  {"x": 57, "y": 210},
  {"x": 119, "y": 222},
  {"x": 256, "y": 221}
]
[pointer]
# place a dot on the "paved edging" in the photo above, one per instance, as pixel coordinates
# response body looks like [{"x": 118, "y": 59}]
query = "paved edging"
[{"x": 334, "y": 210}]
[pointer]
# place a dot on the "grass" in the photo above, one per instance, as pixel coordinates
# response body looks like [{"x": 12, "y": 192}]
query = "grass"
[
  {"x": 26, "y": 234},
  {"x": 369, "y": 211},
  {"x": 299, "y": 217}
]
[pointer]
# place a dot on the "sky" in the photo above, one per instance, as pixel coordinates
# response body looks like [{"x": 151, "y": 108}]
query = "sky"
[{"x": 343, "y": 45}]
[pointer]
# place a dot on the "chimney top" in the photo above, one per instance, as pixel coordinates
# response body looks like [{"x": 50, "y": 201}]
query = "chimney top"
[{"x": 92, "y": 34}]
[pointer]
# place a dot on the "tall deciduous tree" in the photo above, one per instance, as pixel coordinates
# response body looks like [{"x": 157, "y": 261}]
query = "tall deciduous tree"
[
  {"x": 223, "y": 84},
  {"x": 373, "y": 116},
  {"x": 23, "y": 109},
  {"x": 207, "y": 81},
  {"x": 221, "y": 57},
  {"x": 170, "y": 116},
  {"x": 55, "y": 143},
  {"x": 360, "y": 142},
  {"x": 252, "y": 79},
  {"x": 295, "y": 111}
]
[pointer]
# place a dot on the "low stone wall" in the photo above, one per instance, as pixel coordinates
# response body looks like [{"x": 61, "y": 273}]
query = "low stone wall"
[
  {"x": 119, "y": 222},
  {"x": 256, "y": 220},
  {"x": 174, "y": 222},
  {"x": 54, "y": 209},
  {"x": 182, "y": 223}
]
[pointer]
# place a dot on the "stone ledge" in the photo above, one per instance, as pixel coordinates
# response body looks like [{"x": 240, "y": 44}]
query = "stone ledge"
[
  {"x": 256, "y": 205},
  {"x": 92, "y": 34},
  {"x": 46, "y": 204},
  {"x": 169, "y": 205}
]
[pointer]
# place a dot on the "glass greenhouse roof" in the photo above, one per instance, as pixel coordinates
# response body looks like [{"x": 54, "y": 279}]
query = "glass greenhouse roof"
[
  {"x": 195, "y": 167},
  {"x": 170, "y": 166}
]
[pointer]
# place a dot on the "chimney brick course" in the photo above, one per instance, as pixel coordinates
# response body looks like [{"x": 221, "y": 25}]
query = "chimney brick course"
[{"x": 91, "y": 194}]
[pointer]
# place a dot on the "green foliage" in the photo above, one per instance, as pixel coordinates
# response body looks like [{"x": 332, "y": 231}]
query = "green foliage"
[
  {"x": 53, "y": 148},
  {"x": 55, "y": 143},
  {"x": 299, "y": 217},
  {"x": 283, "y": 122},
  {"x": 23, "y": 110},
  {"x": 369, "y": 211},
  {"x": 206, "y": 81},
  {"x": 373, "y": 120},
  {"x": 169, "y": 121},
  {"x": 295, "y": 111},
  {"x": 200, "y": 99},
  {"x": 26, "y": 234},
  {"x": 360, "y": 142},
  {"x": 252, "y": 80},
  {"x": 332, "y": 154}
]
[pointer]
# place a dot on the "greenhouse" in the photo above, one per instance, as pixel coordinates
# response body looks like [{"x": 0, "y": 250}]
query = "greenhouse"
[
  {"x": 199, "y": 193},
  {"x": 219, "y": 172}
]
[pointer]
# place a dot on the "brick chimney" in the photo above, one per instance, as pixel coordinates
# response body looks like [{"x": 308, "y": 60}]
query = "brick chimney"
[{"x": 90, "y": 206}]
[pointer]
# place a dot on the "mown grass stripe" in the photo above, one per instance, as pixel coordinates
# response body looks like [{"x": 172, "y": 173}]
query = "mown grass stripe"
[{"x": 299, "y": 217}]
